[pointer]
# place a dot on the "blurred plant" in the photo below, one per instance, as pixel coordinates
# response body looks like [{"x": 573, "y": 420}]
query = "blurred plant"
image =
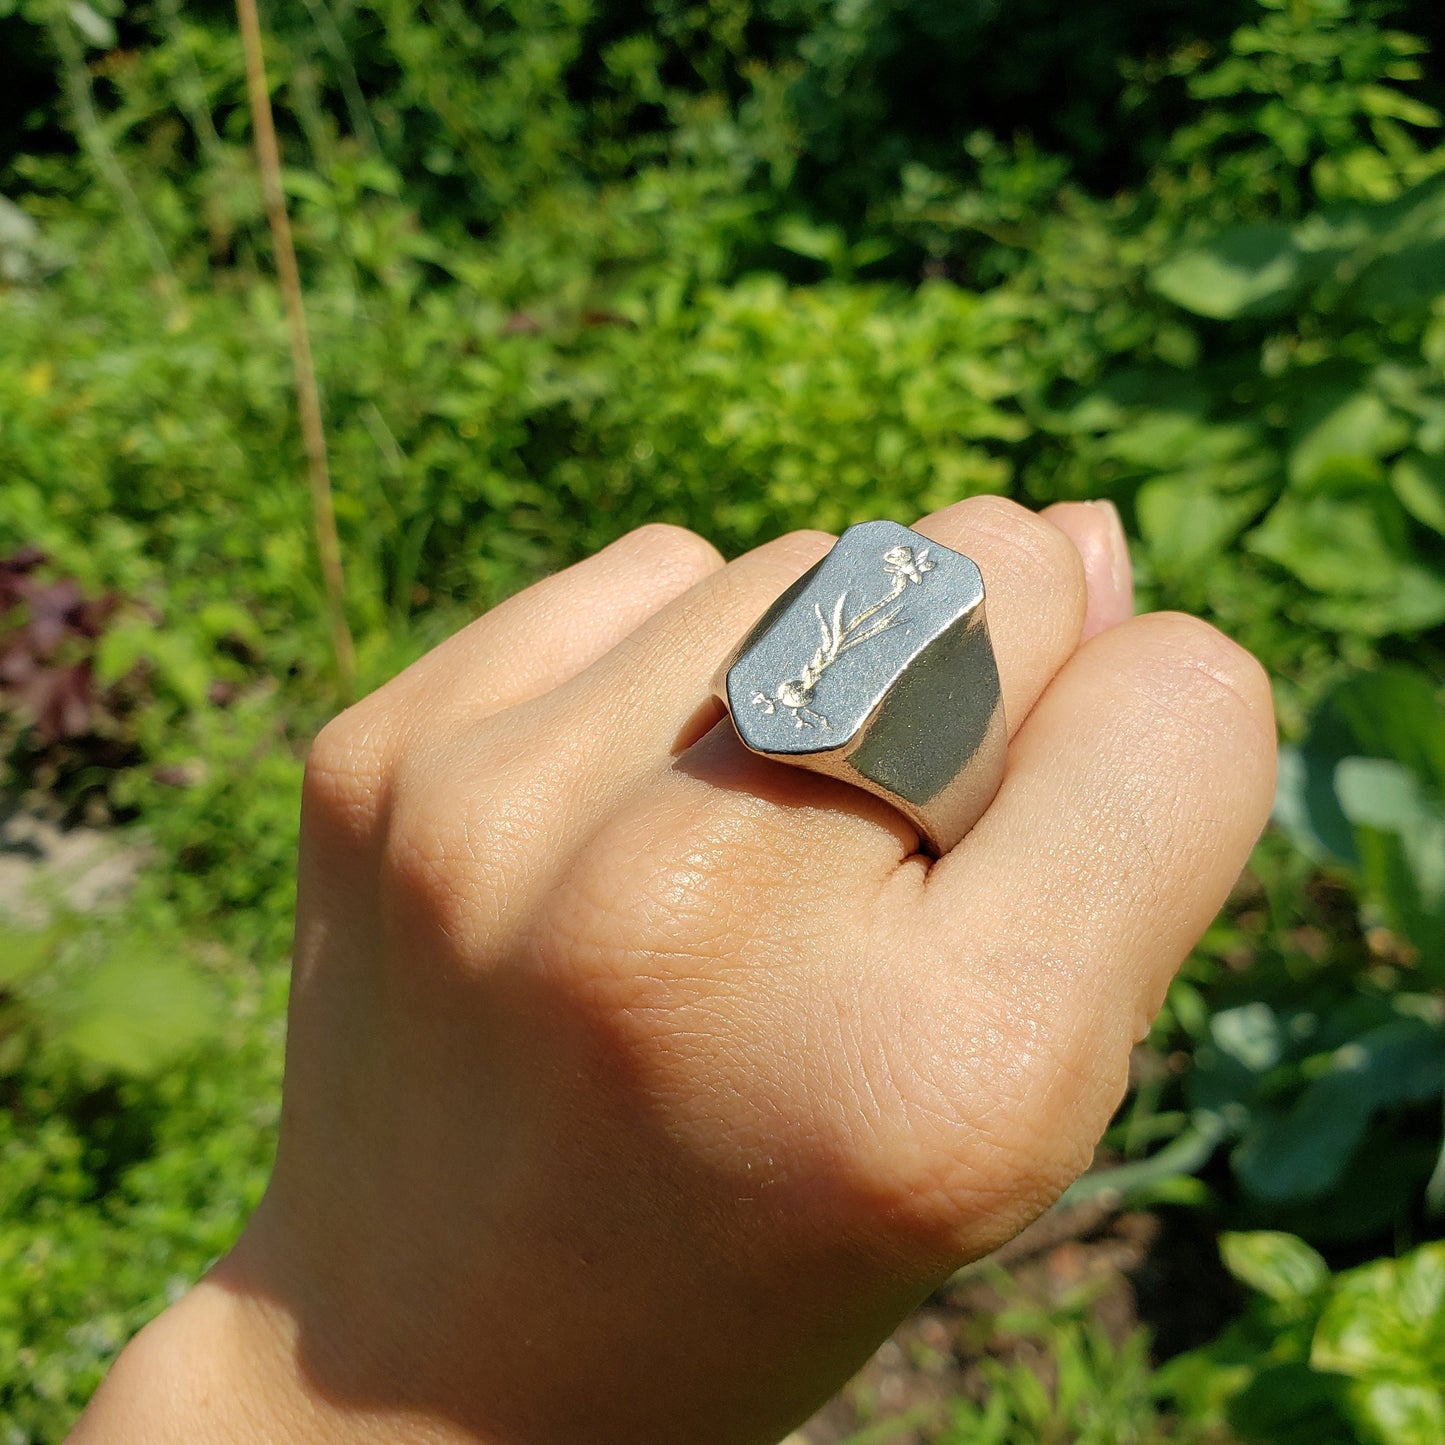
[
  {"x": 1324, "y": 1359},
  {"x": 552, "y": 254},
  {"x": 101, "y": 1001},
  {"x": 1301, "y": 416},
  {"x": 1311, "y": 103},
  {"x": 308, "y": 396},
  {"x": 1085, "y": 1390},
  {"x": 1365, "y": 790},
  {"x": 1325, "y": 1076},
  {"x": 138, "y": 1089},
  {"x": 1317, "y": 1050},
  {"x": 61, "y": 728}
]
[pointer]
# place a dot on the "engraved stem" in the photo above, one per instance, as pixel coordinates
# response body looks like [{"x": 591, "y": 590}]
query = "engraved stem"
[
  {"x": 838, "y": 636},
  {"x": 899, "y": 583}
]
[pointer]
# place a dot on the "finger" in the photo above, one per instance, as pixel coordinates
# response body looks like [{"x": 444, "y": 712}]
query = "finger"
[
  {"x": 548, "y": 633},
  {"x": 638, "y": 700},
  {"x": 1134, "y": 795},
  {"x": 535, "y": 641},
  {"x": 1095, "y": 529},
  {"x": 481, "y": 817},
  {"x": 1034, "y": 591}
]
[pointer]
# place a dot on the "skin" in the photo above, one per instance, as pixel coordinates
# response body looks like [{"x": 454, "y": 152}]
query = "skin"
[{"x": 636, "y": 1086}]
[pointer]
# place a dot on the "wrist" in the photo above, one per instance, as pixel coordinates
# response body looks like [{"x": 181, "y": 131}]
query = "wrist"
[
  {"x": 225, "y": 1366},
  {"x": 210, "y": 1369}
]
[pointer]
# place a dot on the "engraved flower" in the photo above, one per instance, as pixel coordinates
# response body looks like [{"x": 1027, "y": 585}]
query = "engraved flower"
[{"x": 906, "y": 565}]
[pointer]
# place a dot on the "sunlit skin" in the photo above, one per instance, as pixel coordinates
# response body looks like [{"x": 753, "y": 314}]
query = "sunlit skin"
[{"x": 636, "y": 1086}]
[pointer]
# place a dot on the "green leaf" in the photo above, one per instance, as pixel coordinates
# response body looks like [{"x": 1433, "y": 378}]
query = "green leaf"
[
  {"x": 1162, "y": 1177},
  {"x": 177, "y": 659},
  {"x": 97, "y": 29},
  {"x": 1400, "y": 833},
  {"x": 139, "y": 1010},
  {"x": 219, "y": 620},
  {"x": 1250, "y": 1034},
  {"x": 1357, "y": 427},
  {"x": 1391, "y": 1412},
  {"x": 1408, "y": 279},
  {"x": 1355, "y": 547},
  {"x": 1367, "y": 786},
  {"x": 1387, "y": 1319},
  {"x": 1167, "y": 440},
  {"x": 1384, "y": 794},
  {"x": 1289, "y": 1404},
  {"x": 1391, "y": 712},
  {"x": 1300, "y": 1154},
  {"x": 22, "y": 953},
  {"x": 1244, "y": 1043},
  {"x": 1187, "y": 519},
  {"x": 1386, "y": 100},
  {"x": 1278, "y": 1265},
  {"x": 181, "y": 666},
  {"x": 1246, "y": 271},
  {"x": 1419, "y": 483},
  {"x": 825, "y": 244},
  {"x": 120, "y": 649},
  {"x": 1308, "y": 809}
]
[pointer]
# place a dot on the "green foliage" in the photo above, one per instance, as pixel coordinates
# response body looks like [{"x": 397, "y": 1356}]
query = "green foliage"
[
  {"x": 1358, "y": 1356},
  {"x": 745, "y": 265},
  {"x": 1366, "y": 789},
  {"x": 1085, "y": 1390},
  {"x": 1312, "y": 106},
  {"x": 139, "y": 1090},
  {"x": 1285, "y": 433}
]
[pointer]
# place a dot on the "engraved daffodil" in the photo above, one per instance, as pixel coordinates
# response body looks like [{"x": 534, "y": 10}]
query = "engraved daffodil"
[{"x": 903, "y": 565}]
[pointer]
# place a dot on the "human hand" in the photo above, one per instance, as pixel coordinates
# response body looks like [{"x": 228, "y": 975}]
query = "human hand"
[{"x": 637, "y": 1086}]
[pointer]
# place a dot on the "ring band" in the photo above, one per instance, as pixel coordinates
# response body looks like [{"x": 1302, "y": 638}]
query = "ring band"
[{"x": 876, "y": 667}]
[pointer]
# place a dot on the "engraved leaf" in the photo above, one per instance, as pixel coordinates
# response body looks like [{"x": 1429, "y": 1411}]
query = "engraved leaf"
[
  {"x": 882, "y": 625},
  {"x": 838, "y": 621}
]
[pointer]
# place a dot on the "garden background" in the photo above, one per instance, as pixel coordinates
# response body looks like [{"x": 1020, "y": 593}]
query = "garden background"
[{"x": 745, "y": 265}]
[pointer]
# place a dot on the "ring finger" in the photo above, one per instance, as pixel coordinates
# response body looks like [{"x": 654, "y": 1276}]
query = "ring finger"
[{"x": 640, "y": 701}]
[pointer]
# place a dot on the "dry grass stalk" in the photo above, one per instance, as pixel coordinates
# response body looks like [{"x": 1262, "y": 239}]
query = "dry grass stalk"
[{"x": 308, "y": 396}]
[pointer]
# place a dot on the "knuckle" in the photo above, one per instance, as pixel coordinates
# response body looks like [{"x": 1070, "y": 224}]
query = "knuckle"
[
  {"x": 437, "y": 869},
  {"x": 1039, "y": 541},
  {"x": 474, "y": 831},
  {"x": 634, "y": 911},
  {"x": 1030, "y": 560},
  {"x": 679, "y": 550},
  {"x": 960, "y": 1207},
  {"x": 999, "y": 511},
  {"x": 952, "y": 1204},
  {"x": 1210, "y": 671},
  {"x": 805, "y": 542},
  {"x": 348, "y": 769},
  {"x": 461, "y": 858}
]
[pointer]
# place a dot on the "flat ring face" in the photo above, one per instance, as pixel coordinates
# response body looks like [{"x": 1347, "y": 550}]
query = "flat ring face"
[{"x": 875, "y": 667}]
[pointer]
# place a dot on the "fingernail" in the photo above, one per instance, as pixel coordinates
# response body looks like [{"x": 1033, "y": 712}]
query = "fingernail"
[{"x": 1121, "y": 568}]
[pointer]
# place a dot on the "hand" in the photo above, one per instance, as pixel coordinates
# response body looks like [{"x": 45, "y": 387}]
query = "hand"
[{"x": 637, "y": 1086}]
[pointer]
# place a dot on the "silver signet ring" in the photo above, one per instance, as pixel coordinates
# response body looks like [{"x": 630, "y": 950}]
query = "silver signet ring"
[{"x": 876, "y": 667}]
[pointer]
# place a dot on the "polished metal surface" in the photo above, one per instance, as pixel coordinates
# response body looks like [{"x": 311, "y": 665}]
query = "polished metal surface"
[{"x": 876, "y": 667}]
